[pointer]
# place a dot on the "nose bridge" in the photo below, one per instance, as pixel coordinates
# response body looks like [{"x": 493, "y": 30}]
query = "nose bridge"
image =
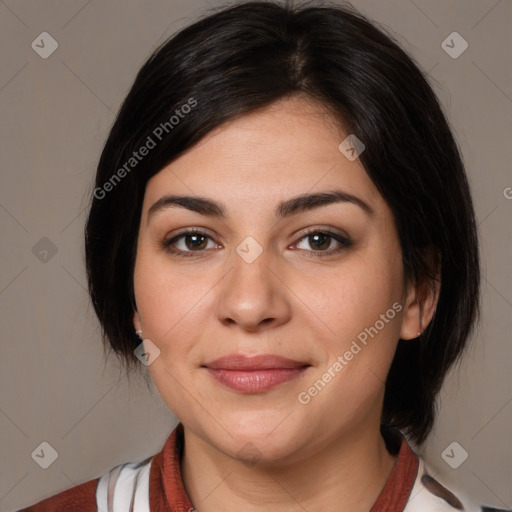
[{"x": 252, "y": 293}]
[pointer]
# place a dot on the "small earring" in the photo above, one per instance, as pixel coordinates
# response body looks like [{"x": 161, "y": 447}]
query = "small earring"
[{"x": 138, "y": 332}]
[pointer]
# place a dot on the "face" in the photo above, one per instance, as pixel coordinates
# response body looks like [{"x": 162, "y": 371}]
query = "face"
[{"x": 261, "y": 273}]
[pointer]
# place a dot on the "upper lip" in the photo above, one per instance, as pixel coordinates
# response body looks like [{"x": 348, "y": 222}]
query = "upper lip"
[{"x": 259, "y": 362}]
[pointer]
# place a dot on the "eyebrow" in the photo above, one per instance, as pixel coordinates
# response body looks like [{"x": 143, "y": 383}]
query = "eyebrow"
[{"x": 293, "y": 206}]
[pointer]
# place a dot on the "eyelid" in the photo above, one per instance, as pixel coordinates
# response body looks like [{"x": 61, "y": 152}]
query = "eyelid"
[
  {"x": 323, "y": 229},
  {"x": 196, "y": 229}
]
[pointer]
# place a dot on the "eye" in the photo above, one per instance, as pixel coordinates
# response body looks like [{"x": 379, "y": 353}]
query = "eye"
[
  {"x": 321, "y": 241},
  {"x": 195, "y": 241},
  {"x": 189, "y": 242}
]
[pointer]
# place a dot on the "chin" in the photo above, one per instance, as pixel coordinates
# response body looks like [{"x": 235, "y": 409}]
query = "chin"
[
  {"x": 260, "y": 436},
  {"x": 265, "y": 451}
]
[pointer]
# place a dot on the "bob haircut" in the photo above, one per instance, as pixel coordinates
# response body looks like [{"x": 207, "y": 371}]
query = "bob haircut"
[{"x": 245, "y": 57}]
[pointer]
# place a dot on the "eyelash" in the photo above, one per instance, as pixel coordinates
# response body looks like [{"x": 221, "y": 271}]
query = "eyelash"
[{"x": 345, "y": 243}]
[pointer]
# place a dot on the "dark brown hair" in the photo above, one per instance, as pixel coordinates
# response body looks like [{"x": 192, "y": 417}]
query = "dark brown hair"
[{"x": 245, "y": 57}]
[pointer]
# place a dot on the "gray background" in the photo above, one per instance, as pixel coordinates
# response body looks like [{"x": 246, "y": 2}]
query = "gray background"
[{"x": 55, "y": 116}]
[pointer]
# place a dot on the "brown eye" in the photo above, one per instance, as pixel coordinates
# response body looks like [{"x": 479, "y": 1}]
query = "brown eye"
[
  {"x": 195, "y": 241},
  {"x": 189, "y": 242},
  {"x": 321, "y": 241}
]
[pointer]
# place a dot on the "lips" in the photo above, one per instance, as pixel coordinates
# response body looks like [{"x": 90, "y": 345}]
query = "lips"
[
  {"x": 254, "y": 374},
  {"x": 261, "y": 362}
]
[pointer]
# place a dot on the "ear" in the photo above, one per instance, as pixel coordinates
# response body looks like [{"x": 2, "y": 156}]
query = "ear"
[
  {"x": 419, "y": 307},
  {"x": 136, "y": 320}
]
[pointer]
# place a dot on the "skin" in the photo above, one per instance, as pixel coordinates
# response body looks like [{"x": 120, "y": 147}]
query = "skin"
[{"x": 325, "y": 455}]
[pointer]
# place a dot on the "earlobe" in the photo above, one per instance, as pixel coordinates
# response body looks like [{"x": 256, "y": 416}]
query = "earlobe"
[
  {"x": 419, "y": 309},
  {"x": 136, "y": 321}
]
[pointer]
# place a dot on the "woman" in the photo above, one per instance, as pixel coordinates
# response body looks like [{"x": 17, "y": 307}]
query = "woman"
[{"x": 282, "y": 231}]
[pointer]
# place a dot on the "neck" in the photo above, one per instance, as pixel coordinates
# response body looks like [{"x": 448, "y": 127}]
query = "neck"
[{"x": 346, "y": 475}]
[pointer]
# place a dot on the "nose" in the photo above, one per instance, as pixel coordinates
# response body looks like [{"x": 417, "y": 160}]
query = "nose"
[{"x": 253, "y": 295}]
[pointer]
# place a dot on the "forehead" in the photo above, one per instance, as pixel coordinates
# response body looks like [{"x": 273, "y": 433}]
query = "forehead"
[{"x": 288, "y": 148}]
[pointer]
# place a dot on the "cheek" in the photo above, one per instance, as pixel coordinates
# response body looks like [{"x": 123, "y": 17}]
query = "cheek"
[
  {"x": 156, "y": 298},
  {"x": 363, "y": 311},
  {"x": 353, "y": 298},
  {"x": 170, "y": 302}
]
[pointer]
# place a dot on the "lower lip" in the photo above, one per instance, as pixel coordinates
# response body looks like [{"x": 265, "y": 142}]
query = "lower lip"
[{"x": 255, "y": 381}]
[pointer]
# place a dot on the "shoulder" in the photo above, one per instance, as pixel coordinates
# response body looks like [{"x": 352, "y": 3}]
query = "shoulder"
[
  {"x": 429, "y": 493},
  {"x": 126, "y": 486},
  {"x": 81, "y": 497}
]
